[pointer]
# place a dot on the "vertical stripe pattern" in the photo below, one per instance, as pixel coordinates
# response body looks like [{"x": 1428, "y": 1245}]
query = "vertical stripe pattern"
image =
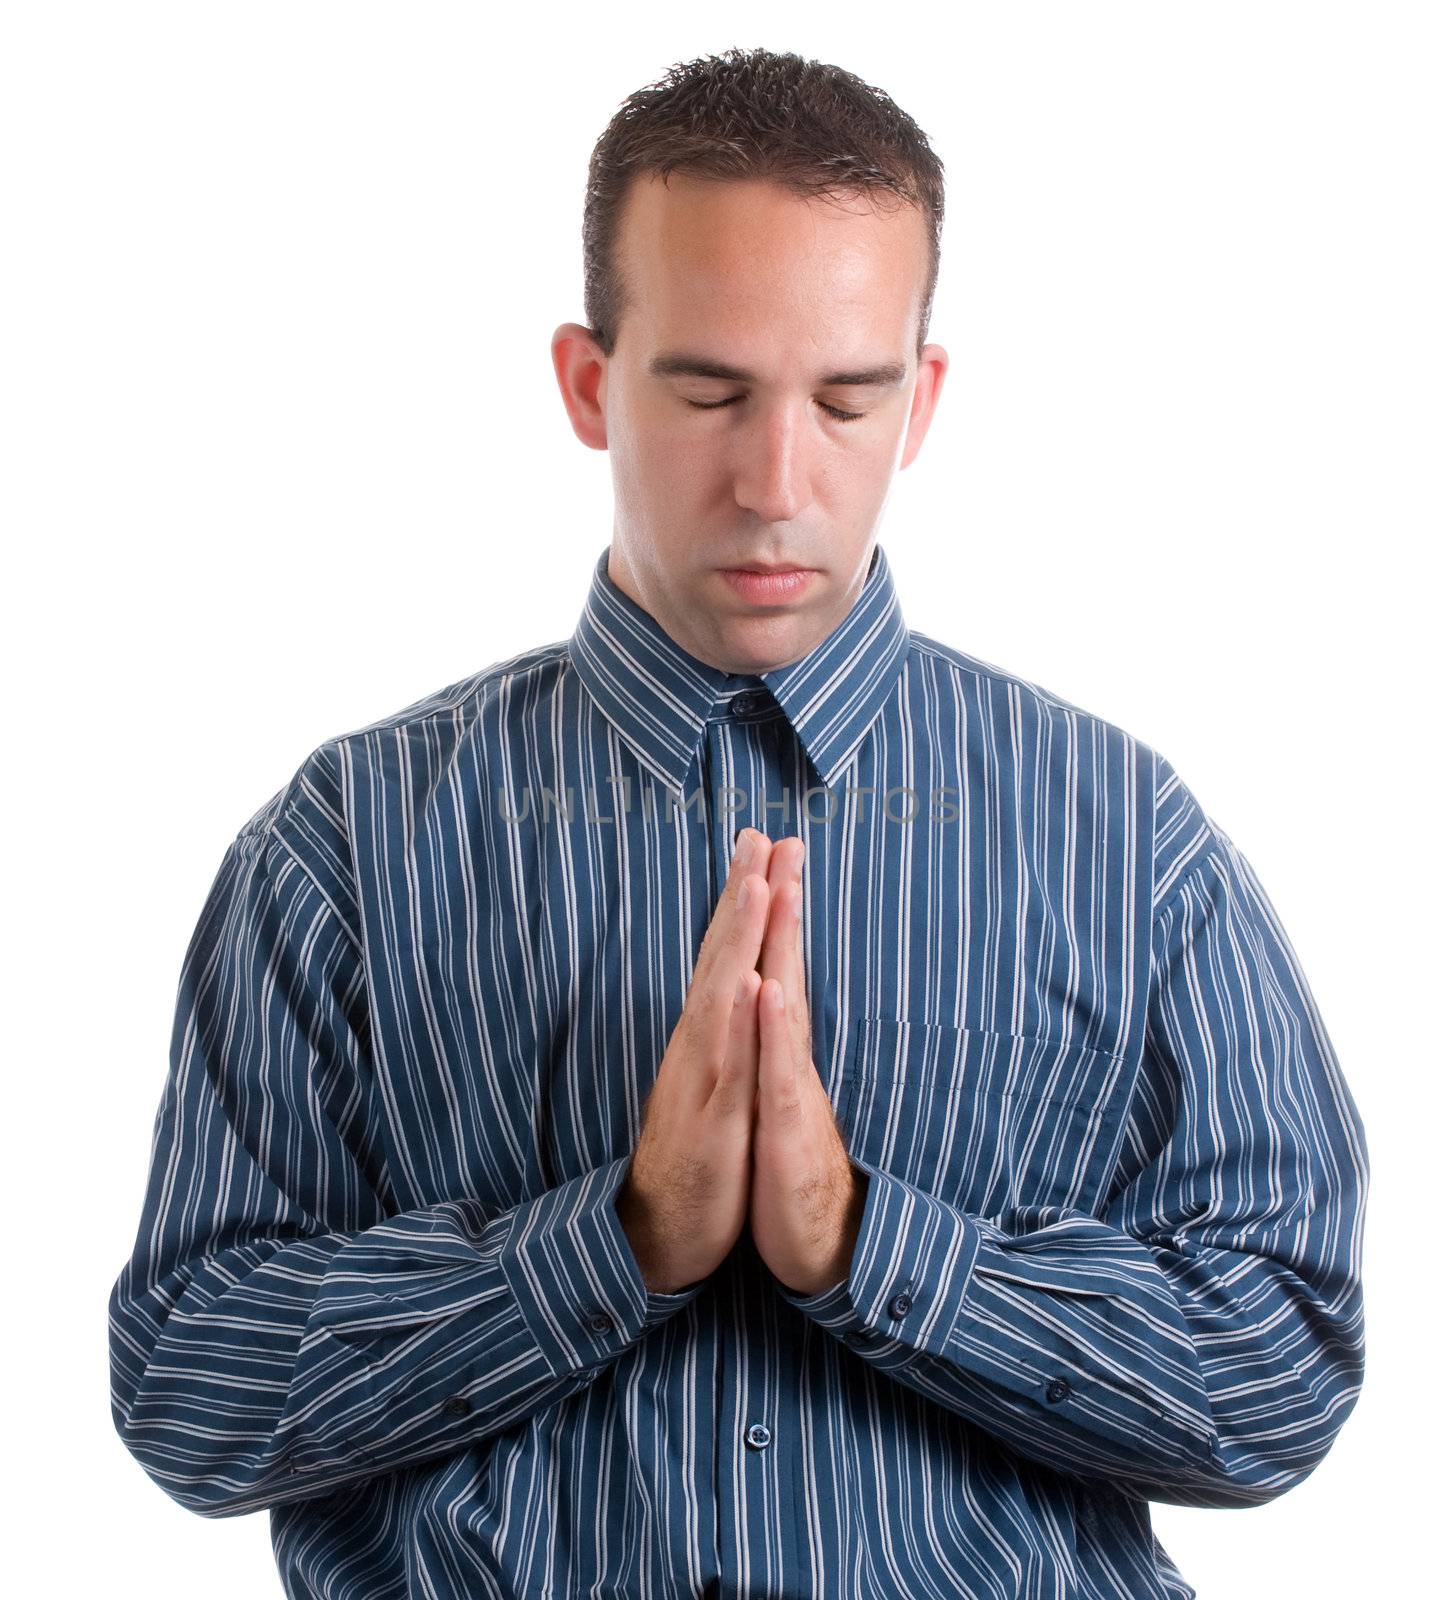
[{"x": 1112, "y": 1240}]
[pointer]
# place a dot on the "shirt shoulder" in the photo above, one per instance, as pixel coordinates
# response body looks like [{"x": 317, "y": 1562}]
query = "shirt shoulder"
[
  {"x": 459, "y": 697},
  {"x": 1183, "y": 834},
  {"x": 945, "y": 658},
  {"x": 310, "y": 813}
]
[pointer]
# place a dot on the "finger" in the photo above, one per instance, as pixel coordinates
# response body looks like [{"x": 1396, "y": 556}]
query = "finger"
[
  {"x": 748, "y": 843},
  {"x": 738, "y": 1074},
  {"x": 797, "y": 992},
  {"x": 733, "y": 951},
  {"x": 787, "y": 859},
  {"x": 793, "y": 981},
  {"x": 752, "y": 852},
  {"x": 778, "y": 1066},
  {"x": 778, "y": 951},
  {"x": 751, "y": 856},
  {"x": 787, "y": 966},
  {"x": 732, "y": 947}
]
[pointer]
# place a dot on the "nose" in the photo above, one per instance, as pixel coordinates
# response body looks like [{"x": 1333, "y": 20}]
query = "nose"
[{"x": 772, "y": 475}]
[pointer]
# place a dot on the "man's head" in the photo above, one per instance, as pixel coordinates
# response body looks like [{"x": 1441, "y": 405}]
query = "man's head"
[{"x": 761, "y": 234}]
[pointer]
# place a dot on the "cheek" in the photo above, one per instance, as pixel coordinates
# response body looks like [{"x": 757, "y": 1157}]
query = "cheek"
[
  {"x": 662, "y": 474},
  {"x": 677, "y": 462},
  {"x": 659, "y": 435},
  {"x": 855, "y": 477}
]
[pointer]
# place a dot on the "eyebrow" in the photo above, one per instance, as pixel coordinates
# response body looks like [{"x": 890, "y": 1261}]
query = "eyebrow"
[{"x": 683, "y": 364}]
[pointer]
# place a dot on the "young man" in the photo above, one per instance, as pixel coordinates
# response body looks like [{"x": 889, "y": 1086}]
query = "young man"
[{"x": 747, "y": 1100}]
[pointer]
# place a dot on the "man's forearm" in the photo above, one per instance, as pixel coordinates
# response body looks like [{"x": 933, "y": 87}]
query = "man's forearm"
[{"x": 343, "y": 1356}]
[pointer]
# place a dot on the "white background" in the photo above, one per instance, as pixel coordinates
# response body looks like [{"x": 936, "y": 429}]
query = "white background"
[{"x": 284, "y": 452}]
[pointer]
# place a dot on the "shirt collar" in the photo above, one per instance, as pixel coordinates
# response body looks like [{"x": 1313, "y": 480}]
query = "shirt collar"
[{"x": 659, "y": 697}]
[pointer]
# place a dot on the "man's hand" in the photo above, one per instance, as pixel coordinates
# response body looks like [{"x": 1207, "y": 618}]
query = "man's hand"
[
  {"x": 806, "y": 1198},
  {"x": 684, "y": 1200}
]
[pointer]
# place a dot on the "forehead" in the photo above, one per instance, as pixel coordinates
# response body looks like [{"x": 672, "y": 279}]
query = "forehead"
[{"x": 699, "y": 254}]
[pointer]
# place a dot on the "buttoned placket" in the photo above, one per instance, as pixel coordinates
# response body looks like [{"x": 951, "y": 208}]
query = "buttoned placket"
[
  {"x": 747, "y": 761},
  {"x": 779, "y": 752}
]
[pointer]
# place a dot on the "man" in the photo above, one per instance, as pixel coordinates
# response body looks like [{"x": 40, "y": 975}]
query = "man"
[{"x": 747, "y": 1100}]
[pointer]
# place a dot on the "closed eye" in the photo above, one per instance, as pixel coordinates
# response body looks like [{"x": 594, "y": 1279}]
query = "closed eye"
[{"x": 834, "y": 411}]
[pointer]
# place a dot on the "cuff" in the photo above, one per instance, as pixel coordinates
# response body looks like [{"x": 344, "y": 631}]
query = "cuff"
[
  {"x": 908, "y": 1274},
  {"x": 574, "y": 1276}
]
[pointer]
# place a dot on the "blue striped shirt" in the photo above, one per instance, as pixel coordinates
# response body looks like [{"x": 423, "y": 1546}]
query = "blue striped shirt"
[{"x": 1111, "y": 1244}]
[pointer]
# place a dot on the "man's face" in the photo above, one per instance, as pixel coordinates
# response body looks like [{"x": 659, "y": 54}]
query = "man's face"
[{"x": 791, "y": 466}]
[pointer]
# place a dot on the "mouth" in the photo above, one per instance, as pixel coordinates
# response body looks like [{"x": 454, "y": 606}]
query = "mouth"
[{"x": 764, "y": 585}]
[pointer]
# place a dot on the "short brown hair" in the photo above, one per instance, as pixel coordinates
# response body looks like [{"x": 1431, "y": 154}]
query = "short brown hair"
[{"x": 815, "y": 129}]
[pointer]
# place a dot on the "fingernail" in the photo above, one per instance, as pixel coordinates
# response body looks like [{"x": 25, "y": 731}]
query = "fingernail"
[
  {"x": 742, "y": 988},
  {"x": 744, "y": 847},
  {"x": 743, "y": 897},
  {"x": 777, "y": 999}
]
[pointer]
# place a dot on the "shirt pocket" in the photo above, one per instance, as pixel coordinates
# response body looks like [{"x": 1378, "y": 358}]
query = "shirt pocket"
[{"x": 989, "y": 1122}]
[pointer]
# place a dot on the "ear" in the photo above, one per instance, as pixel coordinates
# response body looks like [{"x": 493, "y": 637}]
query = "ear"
[
  {"x": 581, "y": 368},
  {"x": 930, "y": 375}
]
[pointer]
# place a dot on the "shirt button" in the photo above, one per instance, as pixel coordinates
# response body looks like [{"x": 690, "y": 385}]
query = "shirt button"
[
  {"x": 900, "y": 1305},
  {"x": 752, "y": 700},
  {"x": 601, "y": 1323},
  {"x": 758, "y": 1435},
  {"x": 459, "y": 1406},
  {"x": 1058, "y": 1389}
]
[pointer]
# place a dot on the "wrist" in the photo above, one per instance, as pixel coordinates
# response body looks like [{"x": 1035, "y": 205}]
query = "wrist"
[
  {"x": 634, "y": 1219},
  {"x": 837, "y": 1269}
]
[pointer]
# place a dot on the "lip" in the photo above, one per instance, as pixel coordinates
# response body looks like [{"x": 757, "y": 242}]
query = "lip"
[{"x": 768, "y": 585}]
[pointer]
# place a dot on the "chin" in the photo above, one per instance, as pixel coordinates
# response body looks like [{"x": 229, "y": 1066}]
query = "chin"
[{"x": 768, "y": 642}]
